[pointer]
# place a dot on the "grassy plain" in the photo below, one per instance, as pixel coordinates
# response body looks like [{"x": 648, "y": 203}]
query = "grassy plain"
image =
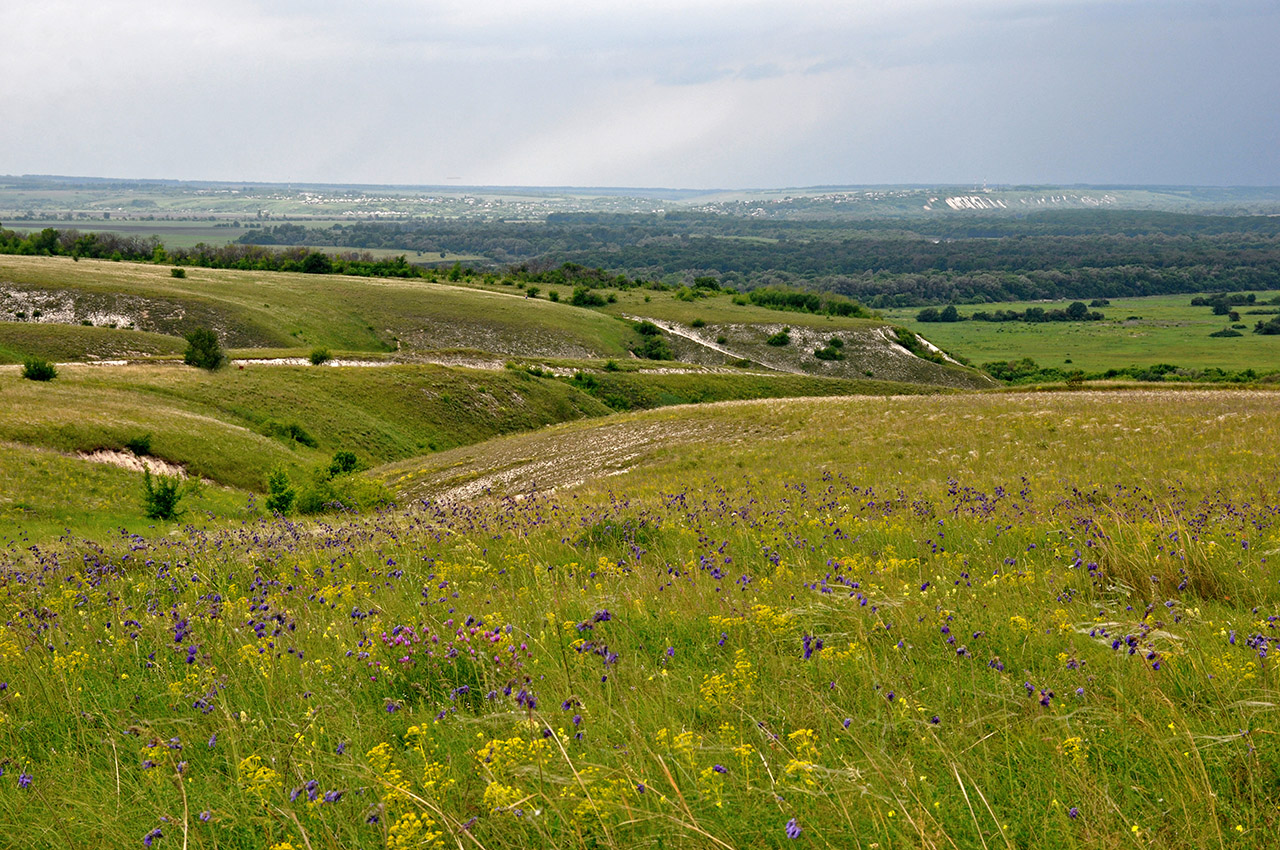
[
  {"x": 1136, "y": 332},
  {"x": 957, "y": 621}
]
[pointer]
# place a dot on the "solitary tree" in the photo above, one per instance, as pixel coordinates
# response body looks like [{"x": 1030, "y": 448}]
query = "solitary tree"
[{"x": 203, "y": 350}]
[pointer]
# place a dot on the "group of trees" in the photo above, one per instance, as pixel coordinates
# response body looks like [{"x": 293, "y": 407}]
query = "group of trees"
[
  {"x": 784, "y": 298},
  {"x": 1077, "y": 311},
  {"x": 1027, "y": 371}
]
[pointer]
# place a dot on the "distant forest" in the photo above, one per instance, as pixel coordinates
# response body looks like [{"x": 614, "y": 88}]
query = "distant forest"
[
  {"x": 1057, "y": 255},
  {"x": 881, "y": 262}
]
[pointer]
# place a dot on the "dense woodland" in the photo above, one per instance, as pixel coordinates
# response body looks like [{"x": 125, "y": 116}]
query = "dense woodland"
[{"x": 881, "y": 262}]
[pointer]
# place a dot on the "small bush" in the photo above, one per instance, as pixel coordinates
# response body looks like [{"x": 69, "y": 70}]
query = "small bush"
[
  {"x": 341, "y": 493},
  {"x": 698, "y": 323},
  {"x": 611, "y": 365},
  {"x": 779, "y": 339},
  {"x": 647, "y": 328},
  {"x": 319, "y": 355},
  {"x": 342, "y": 463},
  {"x": 175, "y": 272},
  {"x": 655, "y": 348},
  {"x": 280, "y": 492},
  {"x": 38, "y": 369},
  {"x": 140, "y": 446},
  {"x": 584, "y": 297},
  {"x": 289, "y": 431},
  {"x": 203, "y": 350},
  {"x": 160, "y": 496}
]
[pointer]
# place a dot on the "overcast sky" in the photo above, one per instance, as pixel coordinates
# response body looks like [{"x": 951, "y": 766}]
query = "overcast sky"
[{"x": 671, "y": 93}]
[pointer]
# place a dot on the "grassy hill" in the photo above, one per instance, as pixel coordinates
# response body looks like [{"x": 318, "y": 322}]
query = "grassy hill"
[
  {"x": 294, "y": 313},
  {"x": 959, "y": 620}
]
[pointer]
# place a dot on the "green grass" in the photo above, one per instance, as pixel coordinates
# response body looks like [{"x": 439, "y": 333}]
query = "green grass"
[
  {"x": 1168, "y": 330},
  {"x": 47, "y": 493},
  {"x": 60, "y": 343},
  {"x": 281, "y": 310},
  {"x": 300, "y": 312},
  {"x": 637, "y": 391},
  {"x": 659, "y": 613},
  {"x": 216, "y": 424}
]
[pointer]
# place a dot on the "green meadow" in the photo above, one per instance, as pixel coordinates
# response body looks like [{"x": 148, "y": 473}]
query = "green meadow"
[
  {"x": 960, "y": 621},
  {"x": 1136, "y": 332},
  {"x": 547, "y": 593}
]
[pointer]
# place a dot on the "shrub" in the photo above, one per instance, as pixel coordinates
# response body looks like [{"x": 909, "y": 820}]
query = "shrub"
[
  {"x": 342, "y": 463},
  {"x": 779, "y": 339},
  {"x": 655, "y": 348},
  {"x": 289, "y": 431},
  {"x": 1269, "y": 328},
  {"x": 280, "y": 492},
  {"x": 828, "y": 353},
  {"x": 344, "y": 492},
  {"x": 140, "y": 446},
  {"x": 203, "y": 350},
  {"x": 38, "y": 369},
  {"x": 698, "y": 323},
  {"x": 175, "y": 272},
  {"x": 584, "y": 297},
  {"x": 647, "y": 328},
  {"x": 160, "y": 496},
  {"x": 319, "y": 355}
]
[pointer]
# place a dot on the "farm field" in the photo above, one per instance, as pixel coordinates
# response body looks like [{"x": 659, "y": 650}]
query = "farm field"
[
  {"x": 1136, "y": 332},
  {"x": 968, "y": 620}
]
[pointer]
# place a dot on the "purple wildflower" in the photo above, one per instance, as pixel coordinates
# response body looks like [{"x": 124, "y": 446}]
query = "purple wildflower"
[
  {"x": 793, "y": 829},
  {"x": 24, "y": 780}
]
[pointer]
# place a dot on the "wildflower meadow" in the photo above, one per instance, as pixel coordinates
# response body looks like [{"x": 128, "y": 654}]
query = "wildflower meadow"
[{"x": 1053, "y": 629}]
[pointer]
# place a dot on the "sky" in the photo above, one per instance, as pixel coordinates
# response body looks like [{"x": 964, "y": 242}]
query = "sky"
[{"x": 664, "y": 93}]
